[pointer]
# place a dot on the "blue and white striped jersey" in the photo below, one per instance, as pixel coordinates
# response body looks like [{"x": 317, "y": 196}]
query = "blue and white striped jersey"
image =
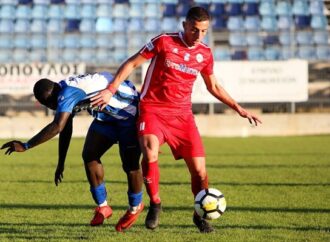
[{"x": 122, "y": 106}]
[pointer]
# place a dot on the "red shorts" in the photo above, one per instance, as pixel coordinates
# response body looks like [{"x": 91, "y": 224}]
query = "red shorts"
[{"x": 178, "y": 131}]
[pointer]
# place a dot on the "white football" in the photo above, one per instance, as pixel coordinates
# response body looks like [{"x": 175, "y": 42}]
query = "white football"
[{"x": 210, "y": 203}]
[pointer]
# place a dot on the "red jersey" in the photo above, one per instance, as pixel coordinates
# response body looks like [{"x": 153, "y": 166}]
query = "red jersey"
[{"x": 172, "y": 72}]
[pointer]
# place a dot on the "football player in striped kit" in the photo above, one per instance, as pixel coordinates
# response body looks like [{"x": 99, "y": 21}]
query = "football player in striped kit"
[{"x": 115, "y": 124}]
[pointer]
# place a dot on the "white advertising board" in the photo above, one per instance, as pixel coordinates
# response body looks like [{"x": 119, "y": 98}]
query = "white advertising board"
[
  {"x": 258, "y": 81},
  {"x": 18, "y": 79}
]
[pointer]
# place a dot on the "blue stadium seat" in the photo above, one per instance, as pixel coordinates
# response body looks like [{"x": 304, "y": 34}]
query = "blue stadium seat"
[
  {"x": 136, "y": 41},
  {"x": 272, "y": 53},
  {"x": 286, "y": 53},
  {"x": 287, "y": 38},
  {"x": 77, "y": 2},
  {"x": 70, "y": 55},
  {"x": 38, "y": 41},
  {"x": 283, "y": 8},
  {"x": 87, "y": 25},
  {"x": 54, "y": 55},
  {"x": 255, "y": 53},
  {"x": 20, "y": 2},
  {"x": 169, "y": 24},
  {"x": 251, "y": 8},
  {"x": 234, "y": 9},
  {"x": 152, "y": 10},
  {"x": 254, "y": 39},
  {"x": 72, "y": 25},
  {"x": 219, "y": 23},
  {"x": 6, "y": 56},
  {"x": 72, "y": 41},
  {"x": 237, "y": 39},
  {"x": 87, "y": 41},
  {"x": 6, "y": 26},
  {"x": 22, "y": 41},
  {"x": 238, "y": 55},
  {"x": 9, "y": 2},
  {"x": 104, "y": 24},
  {"x": 119, "y": 41},
  {"x": 39, "y": 26},
  {"x": 21, "y": 55},
  {"x": 284, "y": 22},
  {"x": 182, "y": 9},
  {"x": 56, "y": 11},
  {"x": 39, "y": 11},
  {"x": 269, "y": 23},
  {"x": 119, "y": 55},
  {"x": 302, "y": 21},
  {"x": 152, "y": 25},
  {"x": 38, "y": 55},
  {"x": 169, "y": 10},
  {"x": 6, "y": 42},
  {"x": 304, "y": 37},
  {"x": 135, "y": 24},
  {"x": 235, "y": 23},
  {"x": 121, "y": 1},
  {"x": 55, "y": 41},
  {"x": 57, "y": 1},
  {"x": 104, "y": 40},
  {"x": 104, "y": 55},
  {"x": 22, "y": 26},
  {"x": 87, "y": 55},
  {"x": 55, "y": 26},
  {"x": 252, "y": 23},
  {"x": 267, "y": 8},
  {"x": 271, "y": 39},
  {"x": 120, "y": 11},
  {"x": 316, "y": 7},
  {"x": 88, "y": 11},
  {"x": 300, "y": 7},
  {"x": 221, "y": 53},
  {"x": 72, "y": 11},
  {"x": 7, "y": 12},
  {"x": 217, "y": 9},
  {"x": 89, "y": 2},
  {"x": 321, "y": 37},
  {"x": 104, "y": 10},
  {"x": 319, "y": 22},
  {"x": 323, "y": 52},
  {"x": 23, "y": 12},
  {"x": 306, "y": 52},
  {"x": 41, "y": 2},
  {"x": 136, "y": 10},
  {"x": 119, "y": 24}
]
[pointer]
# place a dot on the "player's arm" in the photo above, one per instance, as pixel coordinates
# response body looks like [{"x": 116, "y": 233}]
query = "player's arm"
[
  {"x": 220, "y": 93},
  {"x": 63, "y": 146},
  {"x": 48, "y": 132},
  {"x": 103, "y": 98}
]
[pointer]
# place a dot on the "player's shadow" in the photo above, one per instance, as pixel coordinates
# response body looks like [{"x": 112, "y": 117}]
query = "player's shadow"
[{"x": 54, "y": 206}]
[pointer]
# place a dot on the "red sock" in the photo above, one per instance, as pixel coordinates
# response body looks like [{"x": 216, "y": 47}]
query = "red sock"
[
  {"x": 197, "y": 184},
  {"x": 151, "y": 180}
]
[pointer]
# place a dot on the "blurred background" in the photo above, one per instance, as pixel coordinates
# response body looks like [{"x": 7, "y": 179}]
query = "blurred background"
[{"x": 271, "y": 55}]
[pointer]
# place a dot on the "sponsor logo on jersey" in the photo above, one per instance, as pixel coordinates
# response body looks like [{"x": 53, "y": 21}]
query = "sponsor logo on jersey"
[
  {"x": 150, "y": 46},
  {"x": 181, "y": 67},
  {"x": 199, "y": 58},
  {"x": 186, "y": 56}
]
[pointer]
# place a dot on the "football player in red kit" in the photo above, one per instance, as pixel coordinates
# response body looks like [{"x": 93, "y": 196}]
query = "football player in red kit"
[{"x": 165, "y": 106}]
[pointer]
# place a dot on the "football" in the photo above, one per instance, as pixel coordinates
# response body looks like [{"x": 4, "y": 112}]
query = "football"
[{"x": 210, "y": 203}]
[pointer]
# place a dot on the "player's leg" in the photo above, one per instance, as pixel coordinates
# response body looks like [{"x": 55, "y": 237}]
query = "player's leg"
[
  {"x": 150, "y": 138},
  {"x": 95, "y": 146},
  {"x": 130, "y": 153}
]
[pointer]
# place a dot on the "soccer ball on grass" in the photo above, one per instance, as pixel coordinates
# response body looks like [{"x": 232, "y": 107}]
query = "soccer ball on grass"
[{"x": 210, "y": 203}]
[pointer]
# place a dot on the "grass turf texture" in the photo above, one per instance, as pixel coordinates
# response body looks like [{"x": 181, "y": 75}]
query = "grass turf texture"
[{"x": 277, "y": 189}]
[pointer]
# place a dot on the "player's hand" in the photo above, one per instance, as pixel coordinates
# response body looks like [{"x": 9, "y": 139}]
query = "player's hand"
[
  {"x": 58, "y": 174},
  {"x": 253, "y": 119},
  {"x": 14, "y": 145},
  {"x": 101, "y": 99}
]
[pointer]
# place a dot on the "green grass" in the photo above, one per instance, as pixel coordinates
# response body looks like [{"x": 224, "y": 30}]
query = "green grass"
[{"x": 277, "y": 189}]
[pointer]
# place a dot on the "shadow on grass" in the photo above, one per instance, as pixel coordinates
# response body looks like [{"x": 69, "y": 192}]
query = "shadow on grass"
[{"x": 167, "y": 208}]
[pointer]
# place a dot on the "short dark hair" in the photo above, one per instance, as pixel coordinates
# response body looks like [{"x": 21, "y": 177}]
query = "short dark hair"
[
  {"x": 198, "y": 14},
  {"x": 43, "y": 89}
]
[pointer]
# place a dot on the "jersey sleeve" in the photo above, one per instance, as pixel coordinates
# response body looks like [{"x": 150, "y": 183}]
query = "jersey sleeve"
[
  {"x": 152, "y": 48},
  {"x": 68, "y": 98},
  {"x": 208, "y": 69}
]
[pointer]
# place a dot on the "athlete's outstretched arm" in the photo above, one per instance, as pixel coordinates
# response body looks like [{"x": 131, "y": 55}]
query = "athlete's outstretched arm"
[
  {"x": 220, "y": 93},
  {"x": 63, "y": 146},
  {"x": 48, "y": 132},
  {"x": 103, "y": 98}
]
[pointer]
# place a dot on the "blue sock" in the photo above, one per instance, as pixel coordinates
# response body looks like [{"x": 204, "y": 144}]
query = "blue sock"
[
  {"x": 134, "y": 199},
  {"x": 99, "y": 193}
]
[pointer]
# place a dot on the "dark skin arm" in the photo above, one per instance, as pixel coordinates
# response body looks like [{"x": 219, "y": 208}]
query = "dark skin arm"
[{"x": 63, "y": 146}]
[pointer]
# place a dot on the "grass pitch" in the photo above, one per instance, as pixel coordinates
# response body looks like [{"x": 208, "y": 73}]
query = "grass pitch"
[{"x": 277, "y": 189}]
